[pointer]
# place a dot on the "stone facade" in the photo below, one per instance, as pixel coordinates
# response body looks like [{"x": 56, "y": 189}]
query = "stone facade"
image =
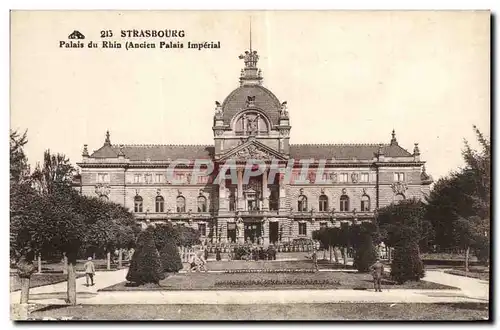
[{"x": 343, "y": 183}]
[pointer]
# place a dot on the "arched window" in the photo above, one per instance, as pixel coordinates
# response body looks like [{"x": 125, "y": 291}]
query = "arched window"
[
  {"x": 323, "y": 203},
  {"x": 251, "y": 123},
  {"x": 302, "y": 203},
  {"x": 399, "y": 197},
  {"x": 181, "y": 204},
  {"x": 202, "y": 204},
  {"x": 159, "y": 204},
  {"x": 232, "y": 202},
  {"x": 344, "y": 203},
  {"x": 365, "y": 203},
  {"x": 137, "y": 203}
]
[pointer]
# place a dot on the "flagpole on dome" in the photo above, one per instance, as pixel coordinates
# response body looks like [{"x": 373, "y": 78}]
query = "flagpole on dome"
[{"x": 250, "y": 34}]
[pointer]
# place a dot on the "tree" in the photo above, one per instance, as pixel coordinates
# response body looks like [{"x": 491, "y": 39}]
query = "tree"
[
  {"x": 478, "y": 167},
  {"x": 362, "y": 239},
  {"x": 170, "y": 258},
  {"x": 164, "y": 236},
  {"x": 328, "y": 237},
  {"x": 145, "y": 266},
  {"x": 470, "y": 233},
  {"x": 406, "y": 264},
  {"x": 408, "y": 215},
  {"x": 26, "y": 232},
  {"x": 68, "y": 229},
  {"x": 19, "y": 168},
  {"x": 459, "y": 205},
  {"x": 187, "y": 236},
  {"x": 56, "y": 171}
]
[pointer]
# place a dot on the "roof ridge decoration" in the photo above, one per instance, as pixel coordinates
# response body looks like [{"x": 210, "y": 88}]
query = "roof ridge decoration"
[
  {"x": 341, "y": 144},
  {"x": 166, "y": 145},
  {"x": 107, "y": 141}
]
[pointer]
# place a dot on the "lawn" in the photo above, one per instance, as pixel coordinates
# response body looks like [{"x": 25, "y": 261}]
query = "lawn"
[
  {"x": 474, "y": 273},
  {"x": 273, "y": 265},
  {"x": 39, "y": 280},
  {"x": 358, "y": 311},
  {"x": 255, "y": 281}
]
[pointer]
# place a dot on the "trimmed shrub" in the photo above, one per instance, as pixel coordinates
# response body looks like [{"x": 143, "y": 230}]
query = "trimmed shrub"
[
  {"x": 145, "y": 266},
  {"x": 170, "y": 258},
  {"x": 406, "y": 264},
  {"x": 366, "y": 253}
]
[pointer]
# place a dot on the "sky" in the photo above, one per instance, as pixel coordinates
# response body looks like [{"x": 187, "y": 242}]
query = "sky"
[{"x": 348, "y": 77}]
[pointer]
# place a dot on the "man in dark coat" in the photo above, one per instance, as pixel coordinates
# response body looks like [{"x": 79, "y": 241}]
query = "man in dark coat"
[{"x": 377, "y": 270}]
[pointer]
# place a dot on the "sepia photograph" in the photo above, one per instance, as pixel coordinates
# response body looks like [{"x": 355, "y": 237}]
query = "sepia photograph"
[{"x": 250, "y": 165}]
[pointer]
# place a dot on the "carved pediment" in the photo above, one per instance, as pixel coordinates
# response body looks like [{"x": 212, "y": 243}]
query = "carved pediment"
[{"x": 252, "y": 150}]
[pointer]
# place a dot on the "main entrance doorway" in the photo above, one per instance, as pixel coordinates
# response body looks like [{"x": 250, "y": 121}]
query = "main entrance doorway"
[
  {"x": 231, "y": 232},
  {"x": 252, "y": 232},
  {"x": 273, "y": 232}
]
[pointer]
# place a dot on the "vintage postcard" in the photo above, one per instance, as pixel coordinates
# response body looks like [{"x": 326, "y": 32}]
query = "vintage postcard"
[{"x": 250, "y": 165}]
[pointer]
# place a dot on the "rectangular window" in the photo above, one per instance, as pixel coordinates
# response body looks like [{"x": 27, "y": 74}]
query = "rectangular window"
[
  {"x": 148, "y": 178},
  {"x": 326, "y": 177},
  {"x": 202, "y": 228},
  {"x": 203, "y": 179},
  {"x": 344, "y": 177},
  {"x": 399, "y": 177},
  {"x": 303, "y": 228},
  {"x": 179, "y": 177},
  {"x": 137, "y": 178},
  {"x": 365, "y": 177},
  {"x": 159, "y": 178}
]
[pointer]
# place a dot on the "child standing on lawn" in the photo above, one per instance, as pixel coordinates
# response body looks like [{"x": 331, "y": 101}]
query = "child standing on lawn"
[{"x": 89, "y": 271}]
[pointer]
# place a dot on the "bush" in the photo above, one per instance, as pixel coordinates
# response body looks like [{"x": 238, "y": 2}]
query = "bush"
[
  {"x": 406, "y": 264},
  {"x": 271, "y": 253},
  {"x": 240, "y": 252},
  {"x": 366, "y": 253},
  {"x": 482, "y": 249},
  {"x": 170, "y": 258},
  {"x": 145, "y": 266}
]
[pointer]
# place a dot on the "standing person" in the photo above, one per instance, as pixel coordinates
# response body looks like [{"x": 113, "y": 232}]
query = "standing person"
[
  {"x": 377, "y": 269},
  {"x": 89, "y": 271},
  {"x": 315, "y": 259}
]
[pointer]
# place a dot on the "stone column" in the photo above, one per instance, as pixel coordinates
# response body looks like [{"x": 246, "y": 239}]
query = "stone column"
[
  {"x": 265, "y": 192},
  {"x": 240, "y": 231},
  {"x": 224, "y": 238},
  {"x": 282, "y": 194},
  {"x": 240, "y": 189},
  {"x": 223, "y": 205},
  {"x": 265, "y": 234}
]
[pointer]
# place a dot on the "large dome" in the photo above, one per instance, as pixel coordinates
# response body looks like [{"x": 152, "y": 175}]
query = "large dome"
[{"x": 264, "y": 100}]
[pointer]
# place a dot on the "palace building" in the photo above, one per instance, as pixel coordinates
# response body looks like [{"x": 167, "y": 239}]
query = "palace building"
[{"x": 355, "y": 179}]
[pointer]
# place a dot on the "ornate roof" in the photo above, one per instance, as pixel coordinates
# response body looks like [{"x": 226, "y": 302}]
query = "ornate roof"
[
  {"x": 345, "y": 151},
  {"x": 156, "y": 152},
  {"x": 297, "y": 151},
  {"x": 264, "y": 100}
]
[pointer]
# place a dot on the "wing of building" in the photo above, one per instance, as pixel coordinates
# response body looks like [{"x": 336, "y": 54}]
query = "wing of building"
[{"x": 345, "y": 183}]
